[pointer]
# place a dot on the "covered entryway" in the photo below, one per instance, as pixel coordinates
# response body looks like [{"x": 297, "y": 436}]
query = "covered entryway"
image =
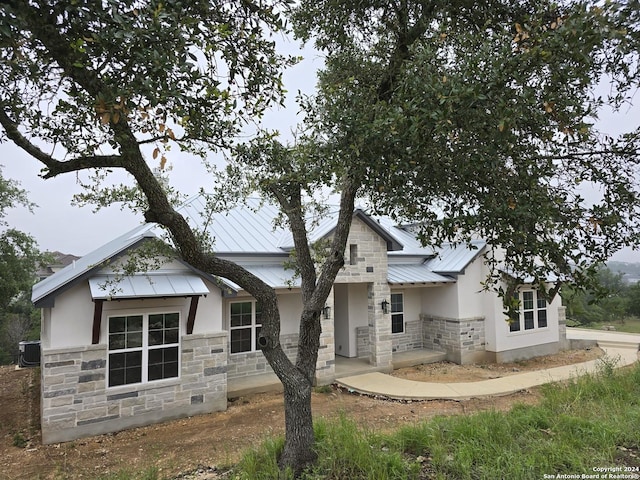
[{"x": 351, "y": 312}]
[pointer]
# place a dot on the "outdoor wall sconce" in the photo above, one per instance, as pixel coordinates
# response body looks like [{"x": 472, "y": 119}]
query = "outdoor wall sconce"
[
  {"x": 385, "y": 306},
  {"x": 326, "y": 311}
]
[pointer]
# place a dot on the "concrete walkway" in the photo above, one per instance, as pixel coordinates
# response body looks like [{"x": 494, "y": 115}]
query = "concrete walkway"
[{"x": 620, "y": 347}]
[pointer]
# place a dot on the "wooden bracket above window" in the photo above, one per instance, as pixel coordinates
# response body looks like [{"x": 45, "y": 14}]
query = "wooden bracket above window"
[
  {"x": 97, "y": 319},
  {"x": 192, "y": 314}
]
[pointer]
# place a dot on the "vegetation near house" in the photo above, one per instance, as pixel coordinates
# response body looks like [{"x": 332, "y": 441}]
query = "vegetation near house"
[
  {"x": 460, "y": 119},
  {"x": 613, "y": 303},
  {"x": 573, "y": 429},
  {"x": 19, "y": 258}
]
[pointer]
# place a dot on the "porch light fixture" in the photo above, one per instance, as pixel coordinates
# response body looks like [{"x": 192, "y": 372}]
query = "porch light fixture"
[
  {"x": 385, "y": 306},
  {"x": 326, "y": 311}
]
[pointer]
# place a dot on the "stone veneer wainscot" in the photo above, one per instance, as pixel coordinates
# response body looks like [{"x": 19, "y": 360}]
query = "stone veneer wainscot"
[{"x": 76, "y": 402}]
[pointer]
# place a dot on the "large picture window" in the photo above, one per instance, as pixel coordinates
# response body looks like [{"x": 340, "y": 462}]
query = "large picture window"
[
  {"x": 143, "y": 348},
  {"x": 397, "y": 313},
  {"x": 245, "y": 321},
  {"x": 532, "y": 314}
]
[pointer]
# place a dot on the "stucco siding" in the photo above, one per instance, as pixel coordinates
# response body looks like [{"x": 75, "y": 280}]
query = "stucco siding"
[
  {"x": 469, "y": 299},
  {"x": 290, "y": 306},
  {"x": 351, "y": 312},
  {"x": 72, "y": 318},
  {"x": 441, "y": 301},
  {"x": 506, "y": 340},
  {"x": 209, "y": 313}
]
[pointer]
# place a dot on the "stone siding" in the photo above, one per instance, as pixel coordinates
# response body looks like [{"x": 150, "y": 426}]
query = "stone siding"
[
  {"x": 362, "y": 342},
  {"x": 255, "y": 363},
  {"x": 463, "y": 340},
  {"x": 410, "y": 339},
  {"x": 76, "y": 402},
  {"x": 326, "y": 362},
  {"x": 370, "y": 267},
  {"x": 564, "y": 344}
]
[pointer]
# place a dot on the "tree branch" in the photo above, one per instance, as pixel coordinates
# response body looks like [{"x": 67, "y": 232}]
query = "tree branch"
[
  {"x": 55, "y": 167},
  {"x": 406, "y": 37},
  {"x": 11, "y": 129},
  {"x": 632, "y": 152}
]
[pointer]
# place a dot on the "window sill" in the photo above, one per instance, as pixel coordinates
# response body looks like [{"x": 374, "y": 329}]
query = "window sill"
[
  {"x": 528, "y": 332},
  {"x": 248, "y": 352},
  {"x": 137, "y": 387}
]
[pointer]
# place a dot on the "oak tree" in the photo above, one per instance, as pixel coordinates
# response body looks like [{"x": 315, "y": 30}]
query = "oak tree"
[
  {"x": 482, "y": 120},
  {"x": 109, "y": 85},
  {"x": 466, "y": 119}
]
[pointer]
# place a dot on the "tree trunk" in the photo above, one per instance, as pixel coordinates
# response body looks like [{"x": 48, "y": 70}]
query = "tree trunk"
[{"x": 298, "y": 451}]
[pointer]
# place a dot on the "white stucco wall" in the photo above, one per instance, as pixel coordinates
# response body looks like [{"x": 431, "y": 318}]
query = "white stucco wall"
[
  {"x": 470, "y": 301},
  {"x": 441, "y": 301},
  {"x": 358, "y": 314},
  {"x": 341, "y": 319},
  {"x": 209, "y": 313},
  {"x": 412, "y": 302},
  {"x": 290, "y": 305},
  {"x": 45, "y": 327},
  {"x": 72, "y": 318},
  {"x": 499, "y": 338},
  {"x": 463, "y": 299},
  {"x": 69, "y": 323},
  {"x": 495, "y": 320}
]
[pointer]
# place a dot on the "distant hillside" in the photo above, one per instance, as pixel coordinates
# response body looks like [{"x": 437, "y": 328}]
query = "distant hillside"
[{"x": 630, "y": 270}]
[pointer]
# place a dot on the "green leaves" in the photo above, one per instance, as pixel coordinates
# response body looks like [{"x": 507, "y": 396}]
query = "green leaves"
[
  {"x": 151, "y": 53},
  {"x": 19, "y": 255},
  {"x": 484, "y": 118}
]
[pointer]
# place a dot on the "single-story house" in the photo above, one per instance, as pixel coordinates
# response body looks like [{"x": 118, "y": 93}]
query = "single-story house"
[{"x": 119, "y": 352}]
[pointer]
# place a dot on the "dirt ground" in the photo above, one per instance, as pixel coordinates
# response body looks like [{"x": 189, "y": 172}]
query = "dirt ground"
[{"x": 217, "y": 439}]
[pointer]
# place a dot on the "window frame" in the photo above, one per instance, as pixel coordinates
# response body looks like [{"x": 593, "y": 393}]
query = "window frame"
[
  {"x": 145, "y": 348},
  {"x": 532, "y": 313},
  {"x": 254, "y": 327},
  {"x": 396, "y": 313}
]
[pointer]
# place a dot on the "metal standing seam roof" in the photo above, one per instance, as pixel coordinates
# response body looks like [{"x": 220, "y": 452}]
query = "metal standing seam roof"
[
  {"x": 246, "y": 228},
  {"x": 402, "y": 274},
  {"x": 106, "y": 287},
  {"x": 91, "y": 261},
  {"x": 249, "y": 229},
  {"x": 276, "y": 276},
  {"x": 454, "y": 259}
]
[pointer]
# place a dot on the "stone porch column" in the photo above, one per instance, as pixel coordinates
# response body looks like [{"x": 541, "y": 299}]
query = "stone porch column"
[
  {"x": 380, "y": 354},
  {"x": 326, "y": 363}
]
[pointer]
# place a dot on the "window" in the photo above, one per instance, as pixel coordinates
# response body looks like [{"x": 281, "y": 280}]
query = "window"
[
  {"x": 397, "y": 313},
  {"x": 245, "y": 321},
  {"x": 143, "y": 348},
  {"x": 353, "y": 254},
  {"x": 533, "y": 312}
]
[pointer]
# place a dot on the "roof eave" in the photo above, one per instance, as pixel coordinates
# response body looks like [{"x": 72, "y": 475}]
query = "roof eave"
[{"x": 48, "y": 299}]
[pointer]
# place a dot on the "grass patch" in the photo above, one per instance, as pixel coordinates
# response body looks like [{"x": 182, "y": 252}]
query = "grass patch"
[
  {"x": 628, "y": 325},
  {"x": 591, "y": 422}
]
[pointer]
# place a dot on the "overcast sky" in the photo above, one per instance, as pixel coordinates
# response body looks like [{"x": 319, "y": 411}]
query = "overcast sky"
[{"x": 57, "y": 225}]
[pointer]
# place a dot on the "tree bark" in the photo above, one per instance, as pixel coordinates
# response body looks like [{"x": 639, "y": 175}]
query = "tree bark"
[
  {"x": 297, "y": 379},
  {"x": 298, "y": 450}
]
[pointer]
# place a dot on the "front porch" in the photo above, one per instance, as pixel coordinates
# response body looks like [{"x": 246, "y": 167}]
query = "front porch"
[{"x": 344, "y": 367}]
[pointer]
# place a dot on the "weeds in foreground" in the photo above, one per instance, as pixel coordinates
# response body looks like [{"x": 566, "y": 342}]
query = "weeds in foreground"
[
  {"x": 150, "y": 473},
  {"x": 19, "y": 440},
  {"x": 591, "y": 422}
]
